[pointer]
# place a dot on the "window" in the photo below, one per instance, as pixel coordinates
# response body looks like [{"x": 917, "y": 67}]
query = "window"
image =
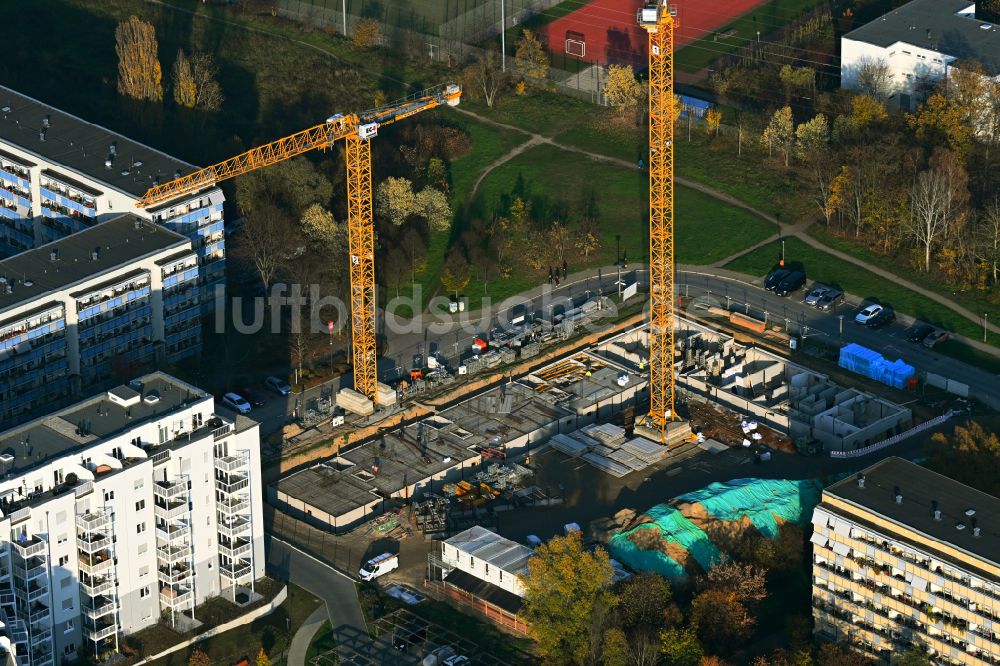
[
  {"x": 143, "y": 571},
  {"x": 69, "y": 625},
  {"x": 140, "y": 505},
  {"x": 62, "y": 538},
  {"x": 69, "y": 649},
  {"x": 67, "y": 604},
  {"x": 66, "y": 581},
  {"x": 143, "y": 547},
  {"x": 144, "y": 592},
  {"x": 140, "y": 528},
  {"x": 63, "y": 560},
  {"x": 138, "y": 484},
  {"x": 109, "y": 495}
]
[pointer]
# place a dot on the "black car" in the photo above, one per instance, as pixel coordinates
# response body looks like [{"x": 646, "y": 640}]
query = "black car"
[
  {"x": 829, "y": 299},
  {"x": 918, "y": 332},
  {"x": 885, "y": 317},
  {"x": 253, "y": 396},
  {"x": 774, "y": 278},
  {"x": 794, "y": 281}
]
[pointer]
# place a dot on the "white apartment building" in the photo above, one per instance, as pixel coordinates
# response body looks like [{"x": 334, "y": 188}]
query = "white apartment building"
[
  {"x": 919, "y": 42},
  {"x": 60, "y": 174},
  {"x": 135, "y": 504},
  {"x": 111, "y": 300}
]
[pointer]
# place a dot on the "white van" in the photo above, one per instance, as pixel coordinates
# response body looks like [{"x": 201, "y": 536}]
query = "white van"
[{"x": 378, "y": 566}]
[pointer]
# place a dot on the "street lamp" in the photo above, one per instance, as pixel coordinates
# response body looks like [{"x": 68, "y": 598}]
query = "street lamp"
[
  {"x": 329, "y": 327},
  {"x": 985, "y": 316},
  {"x": 841, "y": 318},
  {"x": 782, "y": 253}
]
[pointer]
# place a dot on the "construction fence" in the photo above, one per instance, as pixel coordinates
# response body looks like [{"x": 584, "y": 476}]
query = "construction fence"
[{"x": 450, "y": 42}]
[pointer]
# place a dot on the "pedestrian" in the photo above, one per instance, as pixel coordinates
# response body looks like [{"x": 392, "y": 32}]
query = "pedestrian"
[
  {"x": 550, "y": 275},
  {"x": 640, "y": 163},
  {"x": 565, "y": 269}
]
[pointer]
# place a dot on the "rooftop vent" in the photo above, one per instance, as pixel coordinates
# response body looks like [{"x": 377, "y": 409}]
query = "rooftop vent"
[
  {"x": 970, "y": 512},
  {"x": 95, "y": 254},
  {"x": 935, "y": 510},
  {"x": 959, "y": 525},
  {"x": 125, "y": 172},
  {"x": 985, "y": 26},
  {"x": 46, "y": 121},
  {"x": 54, "y": 255},
  {"x": 928, "y": 33},
  {"x": 861, "y": 480},
  {"x": 975, "y": 529},
  {"x": 899, "y": 495},
  {"x": 151, "y": 398},
  {"x": 107, "y": 163},
  {"x": 137, "y": 163},
  {"x": 41, "y": 134},
  {"x": 113, "y": 149},
  {"x": 28, "y": 282},
  {"x": 6, "y": 108}
]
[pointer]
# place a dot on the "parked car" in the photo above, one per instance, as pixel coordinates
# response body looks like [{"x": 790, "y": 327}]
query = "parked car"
[
  {"x": 278, "y": 385},
  {"x": 883, "y": 318},
  {"x": 253, "y": 396},
  {"x": 918, "y": 332},
  {"x": 236, "y": 403},
  {"x": 437, "y": 656},
  {"x": 829, "y": 300},
  {"x": 792, "y": 282},
  {"x": 865, "y": 315},
  {"x": 379, "y": 565},
  {"x": 817, "y": 292},
  {"x": 935, "y": 337},
  {"x": 457, "y": 660},
  {"x": 774, "y": 278}
]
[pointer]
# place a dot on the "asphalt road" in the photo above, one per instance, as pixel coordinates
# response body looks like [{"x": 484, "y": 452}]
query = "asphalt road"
[
  {"x": 791, "y": 311},
  {"x": 322, "y": 580}
]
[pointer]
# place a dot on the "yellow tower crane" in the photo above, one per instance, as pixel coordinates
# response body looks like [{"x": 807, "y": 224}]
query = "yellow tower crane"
[
  {"x": 356, "y": 130},
  {"x": 660, "y": 19}
]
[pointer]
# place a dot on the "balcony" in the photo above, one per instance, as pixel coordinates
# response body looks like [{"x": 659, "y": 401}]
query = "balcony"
[
  {"x": 96, "y": 563},
  {"x": 169, "y": 533},
  {"x": 93, "y": 522},
  {"x": 233, "y": 485},
  {"x": 237, "y": 570},
  {"x": 175, "y": 574},
  {"x": 161, "y": 457},
  {"x": 170, "y": 489},
  {"x": 28, "y": 546},
  {"x": 175, "y": 598},
  {"x": 38, "y": 639},
  {"x": 235, "y": 529},
  {"x": 170, "y": 511},
  {"x": 231, "y": 463},
  {"x": 97, "y": 586},
  {"x": 172, "y": 554},
  {"x": 38, "y": 613},
  {"x": 35, "y": 568},
  {"x": 101, "y": 606},
  {"x": 100, "y": 632},
  {"x": 231, "y": 507},
  {"x": 38, "y": 593},
  {"x": 92, "y": 543},
  {"x": 236, "y": 549}
]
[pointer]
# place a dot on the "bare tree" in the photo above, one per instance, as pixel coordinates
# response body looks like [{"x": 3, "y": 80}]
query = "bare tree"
[
  {"x": 874, "y": 78},
  {"x": 208, "y": 92},
  {"x": 988, "y": 237},
  {"x": 930, "y": 199},
  {"x": 262, "y": 241},
  {"x": 487, "y": 76}
]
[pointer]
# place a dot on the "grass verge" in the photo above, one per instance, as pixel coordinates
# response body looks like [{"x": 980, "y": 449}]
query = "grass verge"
[{"x": 322, "y": 642}]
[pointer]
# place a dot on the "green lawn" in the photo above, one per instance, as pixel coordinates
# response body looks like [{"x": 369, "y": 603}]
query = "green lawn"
[
  {"x": 322, "y": 643},
  {"x": 707, "y": 230},
  {"x": 767, "y": 18},
  {"x": 273, "y": 632},
  {"x": 860, "y": 282}
]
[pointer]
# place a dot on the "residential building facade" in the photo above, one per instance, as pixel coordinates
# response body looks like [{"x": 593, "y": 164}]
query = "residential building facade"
[
  {"x": 60, "y": 175},
  {"x": 919, "y": 43},
  {"x": 907, "y": 559},
  {"x": 134, "y": 505},
  {"x": 100, "y": 303}
]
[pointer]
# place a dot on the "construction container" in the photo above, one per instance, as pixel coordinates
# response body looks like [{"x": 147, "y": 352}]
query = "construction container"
[
  {"x": 755, "y": 325},
  {"x": 385, "y": 395},
  {"x": 871, "y": 364},
  {"x": 355, "y": 402}
]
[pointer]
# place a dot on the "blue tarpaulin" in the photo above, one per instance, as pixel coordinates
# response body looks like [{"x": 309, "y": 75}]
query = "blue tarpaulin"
[{"x": 873, "y": 365}]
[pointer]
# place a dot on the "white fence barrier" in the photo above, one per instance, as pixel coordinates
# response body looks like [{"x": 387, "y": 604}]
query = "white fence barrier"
[{"x": 856, "y": 453}]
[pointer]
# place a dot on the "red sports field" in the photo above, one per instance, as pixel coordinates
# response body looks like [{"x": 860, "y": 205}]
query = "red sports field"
[{"x": 609, "y": 31}]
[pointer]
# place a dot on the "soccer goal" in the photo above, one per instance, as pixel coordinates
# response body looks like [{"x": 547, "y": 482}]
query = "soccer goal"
[{"x": 576, "y": 47}]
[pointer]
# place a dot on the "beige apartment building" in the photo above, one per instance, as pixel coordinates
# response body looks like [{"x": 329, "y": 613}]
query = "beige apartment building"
[{"x": 905, "y": 558}]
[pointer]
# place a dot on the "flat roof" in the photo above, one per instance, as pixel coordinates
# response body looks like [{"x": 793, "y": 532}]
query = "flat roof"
[
  {"x": 490, "y": 547},
  {"x": 938, "y": 26},
  {"x": 82, "y": 147},
  {"x": 920, "y": 488},
  {"x": 94, "y": 419},
  {"x": 122, "y": 240}
]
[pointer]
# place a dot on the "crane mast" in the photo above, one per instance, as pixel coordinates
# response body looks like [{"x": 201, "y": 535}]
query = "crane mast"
[
  {"x": 356, "y": 130},
  {"x": 660, "y": 19}
]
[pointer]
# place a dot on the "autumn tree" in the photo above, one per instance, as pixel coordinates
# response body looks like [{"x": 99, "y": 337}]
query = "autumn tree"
[
  {"x": 874, "y": 78},
  {"x": 798, "y": 79},
  {"x": 812, "y": 138},
  {"x": 530, "y": 59},
  {"x": 484, "y": 77},
  {"x": 866, "y": 113},
  {"x": 614, "y": 648},
  {"x": 262, "y": 658},
  {"x": 971, "y": 454},
  {"x": 564, "y": 587},
  {"x": 396, "y": 201},
  {"x": 680, "y": 647},
  {"x": 780, "y": 133},
  {"x": 199, "y": 658},
  {"x": 913, "y": 657},
  {"x": 367, "y": 34},
  {"x": 139, "y": 74},
  {"x": 713, "y": 120},
  {"x": 623, "y": 92},
  {"x": 194, "y": 82},
  {"x": 456, "y": 273},
  {"x": 293, "y": 185},
  {"x": 940, "y": 122},
  {"x": 432, "y": 205},
  {"x": 722, "y": 612}
]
